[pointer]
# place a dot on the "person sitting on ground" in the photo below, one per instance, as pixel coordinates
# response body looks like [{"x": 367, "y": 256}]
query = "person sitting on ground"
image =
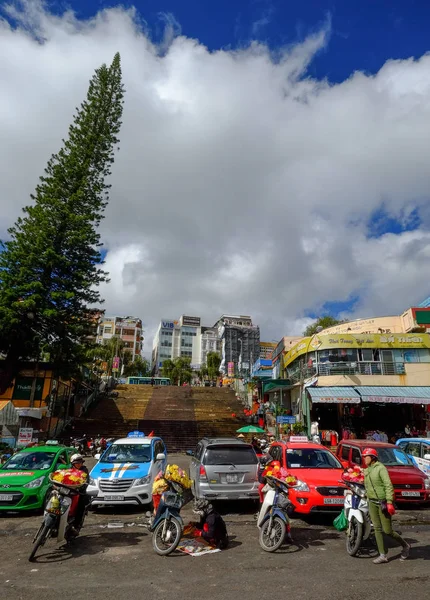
[{"x": 211, "y": 526}]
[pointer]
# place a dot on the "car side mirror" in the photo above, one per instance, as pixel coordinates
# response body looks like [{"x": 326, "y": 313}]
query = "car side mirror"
[
  {"x": 345, "y": 464},
  {"x": 97, "y": 456},
  {"x": 161, "y": 457},
  {"x": 427, "y": 456},
  {"x": 190, "y": 453}
]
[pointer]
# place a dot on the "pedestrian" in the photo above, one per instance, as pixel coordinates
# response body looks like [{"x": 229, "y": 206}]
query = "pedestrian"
[
  {"x": 407, "y": 430},
  {"x": 380, "y": 493}
]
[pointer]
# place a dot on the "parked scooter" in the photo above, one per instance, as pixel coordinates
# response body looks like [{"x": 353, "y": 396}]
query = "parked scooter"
[
  {"x": 59, "y": 516},
  {"x": 357, "y": 513},
  {"x": 274, "y": 516},
  {"x": 167, "y": 525}
]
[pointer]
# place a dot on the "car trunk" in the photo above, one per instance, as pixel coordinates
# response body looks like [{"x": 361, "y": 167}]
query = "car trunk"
[{"x": 229, "y": 467}]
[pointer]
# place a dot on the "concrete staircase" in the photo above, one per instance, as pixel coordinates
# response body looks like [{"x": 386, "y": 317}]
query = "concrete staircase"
[{"x": 180, "y": 415}]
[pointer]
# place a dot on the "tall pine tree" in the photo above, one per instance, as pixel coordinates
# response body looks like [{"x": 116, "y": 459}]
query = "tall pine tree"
[{"x": 50, "y": 267}]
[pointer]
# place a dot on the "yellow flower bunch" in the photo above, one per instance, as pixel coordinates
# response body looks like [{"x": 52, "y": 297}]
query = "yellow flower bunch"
[
  {"x": 175, "y": 473},
  {"x": 159, "y": 486}
]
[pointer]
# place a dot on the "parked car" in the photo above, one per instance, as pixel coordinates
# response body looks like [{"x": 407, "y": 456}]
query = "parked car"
[
  {"x": 418, "y": 450},
  {"x": 224, "y": 469},
  {"x": 24, "y": 478},
  {"x": 319, "y": 473},
  {"x": 410, "y": 484},
  {"x": 126, "y": 471}
]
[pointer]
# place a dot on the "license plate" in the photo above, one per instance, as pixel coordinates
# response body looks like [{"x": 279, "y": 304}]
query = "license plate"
[
  {"x": 114, "y": 498},
  {"x": 339, "y": 501},
  {"x": 231, "y": 478},
  {"x": 6, "y": 497},
  {"x": 413, "y": 494}
]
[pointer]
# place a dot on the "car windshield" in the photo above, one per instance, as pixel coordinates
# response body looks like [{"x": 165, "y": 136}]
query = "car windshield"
[
  {"x": 230, "y": 455},
  {"x": 135, "y": 453},
  {"x": 394, "y": 457},
  {"x": 309, "y": 458},
  {"x": 34, "y": 461}
]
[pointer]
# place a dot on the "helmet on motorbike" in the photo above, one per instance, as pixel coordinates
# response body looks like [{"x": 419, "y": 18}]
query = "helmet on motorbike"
[
  {"x": 370, "y": 452},
  {"x": 76, "y": 458},
  {"x": 202, "y": 507}
]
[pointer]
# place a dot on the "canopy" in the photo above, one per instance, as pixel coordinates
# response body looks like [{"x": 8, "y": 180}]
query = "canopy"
[
  {"x": 275, "y": 384},
  {"x": 8, "y": 413},
  {"x": 333, "y": 395},
  {"x": 395, "y": 394},
  {"x": 250, "y": 429}
]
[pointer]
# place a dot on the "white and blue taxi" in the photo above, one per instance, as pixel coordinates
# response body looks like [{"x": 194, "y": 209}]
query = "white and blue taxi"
[
  {"x": 418, "y": 449},
  {"x": 126, "y": 470}
]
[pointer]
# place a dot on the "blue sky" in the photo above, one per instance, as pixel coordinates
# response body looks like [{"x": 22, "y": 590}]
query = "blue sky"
[
  {"x": 365, "y": 33},
  {"x": 264, "y": 189}
]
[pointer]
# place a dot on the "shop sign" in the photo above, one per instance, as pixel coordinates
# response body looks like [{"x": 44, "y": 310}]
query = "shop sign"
[
  {"x": 376, "y": 340},
  {"x": 191, "y": 321},
  {"x": 25, "y": 435},
  {"x": 230, "y": 369},
  {"x": 299, "y": 438},
  {"x": 115, "y": 363},
  {"x": 286, "y": 420},
  {"x": 22, "y": 388}
]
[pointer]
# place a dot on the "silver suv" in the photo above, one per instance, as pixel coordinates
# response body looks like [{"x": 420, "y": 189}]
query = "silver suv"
[{"x": 224, "y": 469}]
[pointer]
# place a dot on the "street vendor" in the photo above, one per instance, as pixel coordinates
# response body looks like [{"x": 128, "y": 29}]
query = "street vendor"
[{"x": 211, "y": 526}]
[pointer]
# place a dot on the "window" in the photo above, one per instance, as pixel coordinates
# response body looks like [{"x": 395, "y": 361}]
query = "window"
[
  {"x": 308, "y": 458},
  {"x": 345, "y": 452},
  {"x": 276, "y": 453},
  {"x": 136, "y": 453},
  {"x": 198, "y": 452},
  {"x": 414, "y": 449},
  {"x": 356, "y": 456},
  {"x": 226, "y": 455},
  {"x": 37, "y": 461},
  {"x": 108, "y": 329},
  {"x": 425, "y": 449}
]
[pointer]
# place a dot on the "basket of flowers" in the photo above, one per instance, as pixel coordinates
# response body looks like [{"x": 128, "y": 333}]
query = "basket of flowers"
[
  {"x": 354, "y": 475},
  {"x": 69, "y": 478},
  {"x": 176, "y": 474}
]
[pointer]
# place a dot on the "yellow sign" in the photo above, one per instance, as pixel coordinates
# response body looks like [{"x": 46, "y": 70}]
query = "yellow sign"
[{"x": 347, "y": 340}]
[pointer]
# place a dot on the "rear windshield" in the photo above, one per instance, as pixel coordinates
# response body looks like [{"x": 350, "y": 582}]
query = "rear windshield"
[{"x": 230, "y": 455}]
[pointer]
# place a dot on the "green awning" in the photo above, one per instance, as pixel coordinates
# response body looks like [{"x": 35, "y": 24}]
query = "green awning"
[
  {"x": 333, "y": 395},
  {"x": 275, "y": 384}
]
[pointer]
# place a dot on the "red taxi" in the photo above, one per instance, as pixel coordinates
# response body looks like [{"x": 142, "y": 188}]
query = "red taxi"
[{"x": 318, "y": 471}]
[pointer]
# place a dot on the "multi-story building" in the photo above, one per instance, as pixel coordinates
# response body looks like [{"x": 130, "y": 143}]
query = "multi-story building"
[
  {"x": 266, "y": 349},
  {"x": 128, "y": 329},
  {"x": 182, "y": 338},
  {"x": 365, "y": 374},
  {"x": 240, "y": 343},
  {"x": 209, "y": 343}
]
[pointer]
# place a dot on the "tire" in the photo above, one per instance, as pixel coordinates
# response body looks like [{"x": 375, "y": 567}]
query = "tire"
[
  {"x": 354, "y": 537},
  {"x": 41, "y": 537},
  {"x": 174, "y": 531},
  {"x": 272, "y": 540}
]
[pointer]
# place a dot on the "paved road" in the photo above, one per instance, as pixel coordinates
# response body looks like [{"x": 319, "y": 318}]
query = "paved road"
[{"x": 106, "y": 563}]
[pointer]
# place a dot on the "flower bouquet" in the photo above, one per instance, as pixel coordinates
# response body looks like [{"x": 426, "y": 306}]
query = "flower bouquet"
[
  {"x": 354, "y": 475},
  {"x": 71, "y": 478},
  {"x": 178, "y": 475},
  {"x": 280, "y": 473}
]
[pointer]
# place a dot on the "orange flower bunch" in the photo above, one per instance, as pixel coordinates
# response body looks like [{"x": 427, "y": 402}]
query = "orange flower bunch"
[{"x": 70, "y": 477}]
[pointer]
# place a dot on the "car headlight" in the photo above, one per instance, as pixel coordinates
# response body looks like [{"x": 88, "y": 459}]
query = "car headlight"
[
  {"x": 91, "y": 481},
  {"x": 142, "y": 480},
  {"x": 301, "y": 486},
  {"x": 427, "y": 483},
  {"x": 35, "y": 483}
]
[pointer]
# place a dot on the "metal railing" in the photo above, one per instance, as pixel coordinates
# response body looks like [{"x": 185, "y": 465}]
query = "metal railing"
[{"x": 343, "y": 368}]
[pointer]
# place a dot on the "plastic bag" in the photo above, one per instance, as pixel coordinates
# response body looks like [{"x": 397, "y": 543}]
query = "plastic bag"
[{"x": 341, "y": 522}]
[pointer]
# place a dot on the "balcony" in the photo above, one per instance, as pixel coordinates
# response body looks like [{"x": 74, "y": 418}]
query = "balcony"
[{"x": 353, "y": 368}]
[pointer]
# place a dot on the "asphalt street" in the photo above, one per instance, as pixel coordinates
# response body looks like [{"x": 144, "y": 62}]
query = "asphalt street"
[{"x": 113, "y": 558}]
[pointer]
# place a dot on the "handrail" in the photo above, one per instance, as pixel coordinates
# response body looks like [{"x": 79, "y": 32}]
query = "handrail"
[{"x": 351, "y": 368}]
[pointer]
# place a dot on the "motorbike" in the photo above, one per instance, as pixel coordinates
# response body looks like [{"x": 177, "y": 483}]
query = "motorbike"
[
  {"x": 167, "y": 525},
  {"x": 357, "y": 513},
  {"x": 274, "y": 517},
  {"x": 58, "y": 516}
]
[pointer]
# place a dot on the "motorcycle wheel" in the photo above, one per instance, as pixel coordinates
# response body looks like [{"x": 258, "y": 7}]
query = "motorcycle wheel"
[
  {"x": 272, "y": 539},
  {"x": 354, "y": 537},
  {"x": 41, "y": 537},
  {"x": 173, "y": 535}
]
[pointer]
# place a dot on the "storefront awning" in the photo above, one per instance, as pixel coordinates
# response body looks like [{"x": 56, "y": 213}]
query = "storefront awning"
[
  {"x": 275, "y": 384},
  {"x": 333, "y": 395},
  {"x": 395, "y": 394},
  {"x": 8, "y": 413},
  {"x": 32, "y": 413}
]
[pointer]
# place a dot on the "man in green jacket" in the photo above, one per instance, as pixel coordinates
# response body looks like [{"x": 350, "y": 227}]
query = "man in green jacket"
[{"x": 380, "y": 493}]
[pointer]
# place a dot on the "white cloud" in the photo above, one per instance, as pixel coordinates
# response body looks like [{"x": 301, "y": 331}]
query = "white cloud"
[{"x": 242, "y": 185}]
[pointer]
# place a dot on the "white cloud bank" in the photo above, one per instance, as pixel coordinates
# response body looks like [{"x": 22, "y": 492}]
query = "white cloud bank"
[{"x": 241, "y": 185}]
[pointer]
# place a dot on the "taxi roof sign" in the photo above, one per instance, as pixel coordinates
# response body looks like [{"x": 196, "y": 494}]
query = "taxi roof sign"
[
  {"x": 52, "y": 443},
  {"x": 299, "y": 438},
  {"x": 136, "y": 434}
]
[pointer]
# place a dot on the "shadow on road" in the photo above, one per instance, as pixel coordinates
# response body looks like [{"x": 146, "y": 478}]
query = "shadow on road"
[{"x": 88, "y": 546}]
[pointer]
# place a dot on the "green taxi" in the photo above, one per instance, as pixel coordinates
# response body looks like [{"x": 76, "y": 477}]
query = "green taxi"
[{"x": 24, "y": 478}]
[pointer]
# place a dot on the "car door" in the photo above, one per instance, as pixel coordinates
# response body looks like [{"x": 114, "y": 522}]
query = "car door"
[
  {"x": 417, "y": 451},
  {"x": 157, "y": 465}
]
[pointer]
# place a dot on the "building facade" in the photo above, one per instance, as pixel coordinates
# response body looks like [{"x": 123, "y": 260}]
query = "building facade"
[
  {"x": 239, "y": 342},
  {"x": 128, "y": 329},
  {"x": 181, "y": 338}
]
